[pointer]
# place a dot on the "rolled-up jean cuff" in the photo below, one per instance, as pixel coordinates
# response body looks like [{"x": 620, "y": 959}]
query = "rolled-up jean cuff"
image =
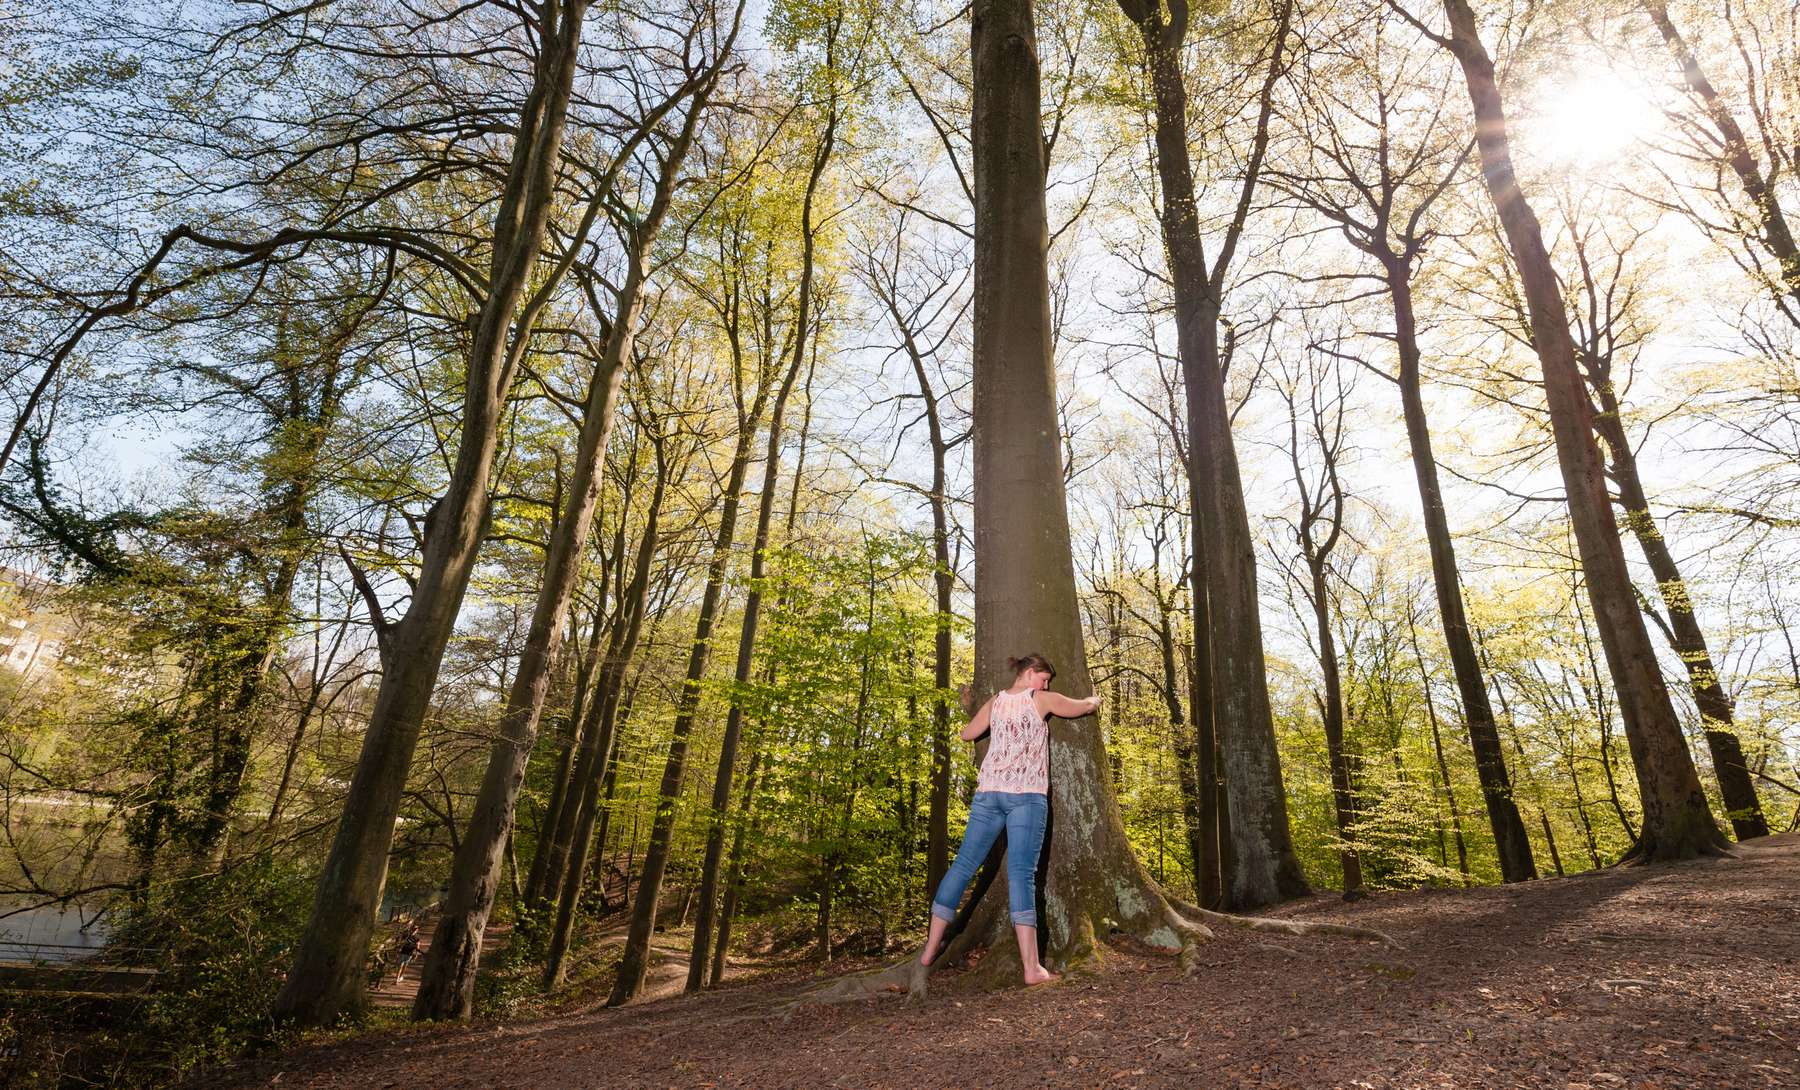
[
  {"x": 944, "y": 912},
  {"x": 1025, "y": 919}
]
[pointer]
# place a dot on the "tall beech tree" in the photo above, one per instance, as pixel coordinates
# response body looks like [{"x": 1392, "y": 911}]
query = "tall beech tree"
[
  {"x": 1677, "y": 821},
  {"x": 1264, "y": 867},
  {"x": 327, "y": 976},
  {"x": 1377, "y": 158},
  {"x": 447, "y": 981},
  {"x": 1608, "y": 338},
  {"x": 1025, "y": 572}
]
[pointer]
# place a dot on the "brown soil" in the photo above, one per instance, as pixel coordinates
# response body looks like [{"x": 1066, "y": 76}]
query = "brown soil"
[{"x": 1684, "y": 975}]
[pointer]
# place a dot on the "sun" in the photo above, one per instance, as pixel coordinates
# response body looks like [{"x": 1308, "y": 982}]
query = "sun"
[{"x": 1588, "y": 120}]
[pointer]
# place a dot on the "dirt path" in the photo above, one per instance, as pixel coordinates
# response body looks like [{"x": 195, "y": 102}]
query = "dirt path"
[{"x": 1652, "y": 978}]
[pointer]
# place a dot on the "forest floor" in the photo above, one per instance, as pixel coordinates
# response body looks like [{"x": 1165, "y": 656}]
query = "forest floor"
[{"x": 1682, "y": 975}]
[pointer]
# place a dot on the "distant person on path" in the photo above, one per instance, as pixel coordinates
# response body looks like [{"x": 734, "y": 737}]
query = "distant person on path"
[
  {"x": 1012, "y": 795},
  {"x": 409, "y": 948}
]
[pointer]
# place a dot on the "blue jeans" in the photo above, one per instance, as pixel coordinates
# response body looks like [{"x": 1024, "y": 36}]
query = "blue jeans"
[{"x": 1023, "y": 817}]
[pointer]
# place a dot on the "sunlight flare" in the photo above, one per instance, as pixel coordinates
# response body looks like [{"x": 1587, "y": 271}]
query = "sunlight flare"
[{"x": 1587, "y": 120}]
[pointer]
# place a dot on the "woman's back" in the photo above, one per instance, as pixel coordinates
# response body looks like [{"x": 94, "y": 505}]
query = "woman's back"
[{"x": 1018, "y": 756}]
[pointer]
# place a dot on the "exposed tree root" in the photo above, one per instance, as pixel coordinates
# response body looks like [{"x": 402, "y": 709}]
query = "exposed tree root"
[
  {"x": 1279, "y": 927},
  {"x": 1000, "y": 964},
  {"x": 1647, "y": 851}
]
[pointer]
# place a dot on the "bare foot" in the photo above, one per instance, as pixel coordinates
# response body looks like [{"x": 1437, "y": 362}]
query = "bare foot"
[
  {"x": 1040, "y": 975},
  {"x": 929, "y": 954}
]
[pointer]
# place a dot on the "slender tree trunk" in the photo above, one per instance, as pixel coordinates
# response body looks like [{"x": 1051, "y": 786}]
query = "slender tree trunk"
[
  {"x": 1211, "y": 836},
  {"x": 1187, "y": 774},
  {"x": 1677, "y": 821},
  {"x": 1510, "y": 841},
  {"x": 603, "y": 715},
  {"x": 1437, "y": 746},
  {"x": 734, "y": 869},
  {"x": 734, "y": 719},
  {"x": 1524, "y": 765},
  {"x": 327, "y": 977},
  {"x": 560, "y": 795},
  {"x": 636, "y": 960},
  {"x": 1331, "y": 709},
  {"x": 587, "y": 742},
  {"x": 721, "y": 799}
]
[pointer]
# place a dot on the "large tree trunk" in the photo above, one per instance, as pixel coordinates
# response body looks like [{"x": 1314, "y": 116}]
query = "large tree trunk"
[
  {"x": 1510, "y": 841},
  {"x": 327, "y": 977},
  {"x": 447, "y": 981},
  {"x": 1677, "y": 821},
  {"x": 1025, "y": 574},
  {"x": 1684, "y": 633},
  {"x": 1265, "y": 868}
]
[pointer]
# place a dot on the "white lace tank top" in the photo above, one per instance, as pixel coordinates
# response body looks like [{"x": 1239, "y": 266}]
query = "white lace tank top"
[{"x": 1018, "y": 756}]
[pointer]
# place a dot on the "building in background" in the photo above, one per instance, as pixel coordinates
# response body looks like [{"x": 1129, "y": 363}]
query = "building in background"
[{"x": 33, "y": 631}]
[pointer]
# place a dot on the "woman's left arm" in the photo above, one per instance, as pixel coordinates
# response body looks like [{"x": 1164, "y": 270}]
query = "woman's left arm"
[
  {"x": 978, "y": 725},
  {"x": 1049, "y": 703}
]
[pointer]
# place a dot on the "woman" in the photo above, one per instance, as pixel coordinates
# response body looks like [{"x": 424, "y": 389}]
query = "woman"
[{"x": 1012, "y": 794}]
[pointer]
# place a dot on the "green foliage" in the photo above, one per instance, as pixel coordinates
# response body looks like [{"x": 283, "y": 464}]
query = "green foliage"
[
  {"x": 848, "y": 722},
  {"x": 219, "y": 945}
]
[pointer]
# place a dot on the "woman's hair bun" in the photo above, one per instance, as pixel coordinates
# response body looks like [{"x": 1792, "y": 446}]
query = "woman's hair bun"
[{"x": 1033, "y": 661}]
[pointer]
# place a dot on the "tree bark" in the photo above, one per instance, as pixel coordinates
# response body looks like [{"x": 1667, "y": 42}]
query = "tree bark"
[
  {"x": 327, "y": 977},
  {"x": 1025, "y": 574},
  {"x": 1265, "y": 868},
  {"x": 1677, "y": 821}
]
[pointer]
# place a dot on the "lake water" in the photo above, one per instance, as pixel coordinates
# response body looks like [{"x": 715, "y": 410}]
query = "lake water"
[{"x": 52, "y": 934}]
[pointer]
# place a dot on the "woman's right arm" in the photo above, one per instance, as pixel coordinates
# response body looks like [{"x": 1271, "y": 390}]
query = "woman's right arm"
[
  {"x": 978, "y": 726},
  {"x": 1064, "y": 707}
]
